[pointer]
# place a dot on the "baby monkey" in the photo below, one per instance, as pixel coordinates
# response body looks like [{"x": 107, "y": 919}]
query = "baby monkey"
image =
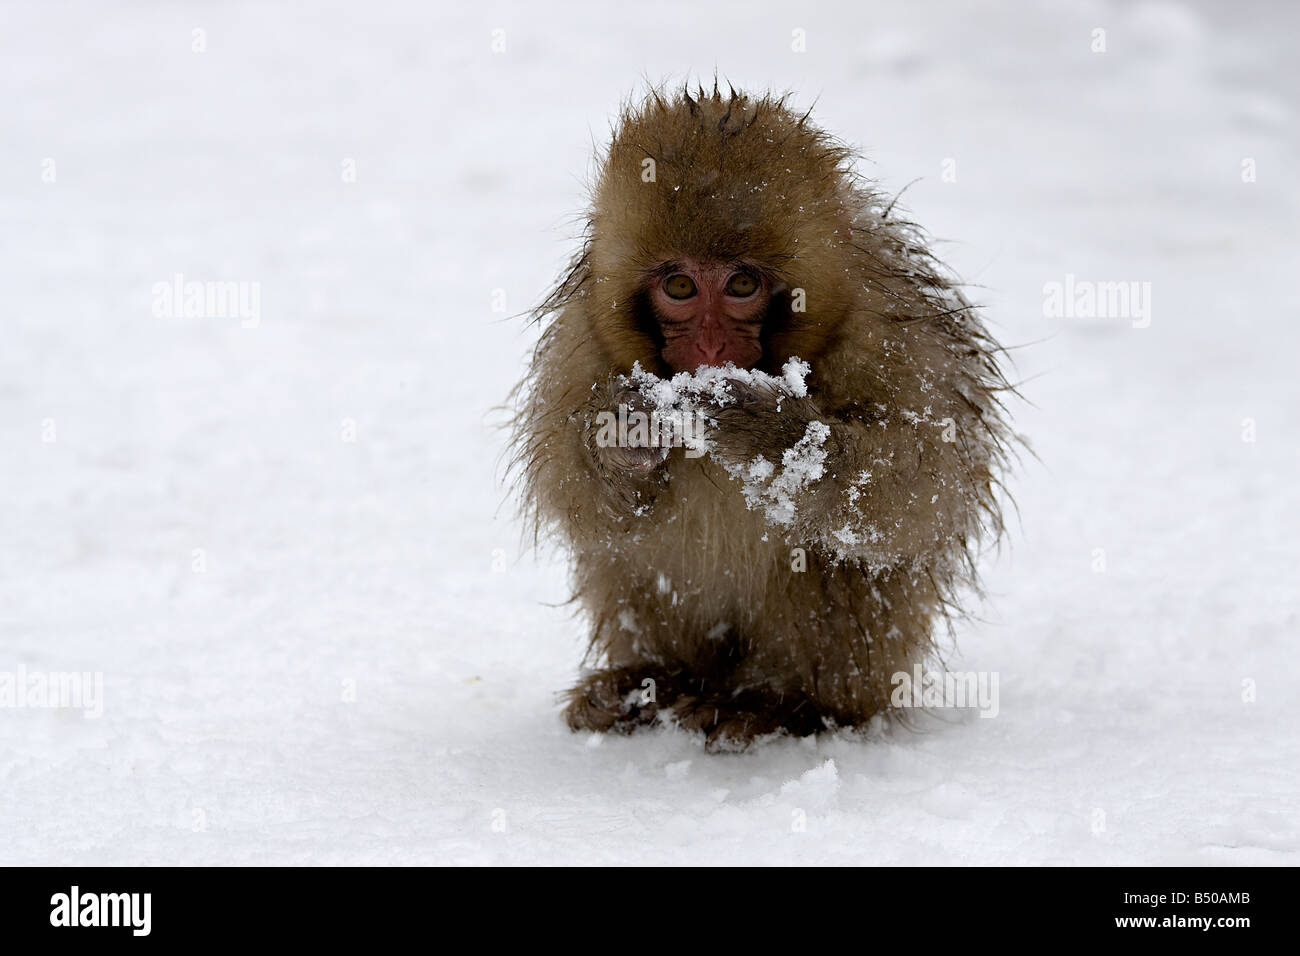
[{"x": 773, "y": 569}]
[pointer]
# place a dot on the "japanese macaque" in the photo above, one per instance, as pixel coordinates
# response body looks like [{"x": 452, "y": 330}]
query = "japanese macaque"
[{"x": 774, "y": 574}]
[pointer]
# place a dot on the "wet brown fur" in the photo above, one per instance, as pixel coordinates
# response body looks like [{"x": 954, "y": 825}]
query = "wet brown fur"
[{"x": 683, "y": 584}]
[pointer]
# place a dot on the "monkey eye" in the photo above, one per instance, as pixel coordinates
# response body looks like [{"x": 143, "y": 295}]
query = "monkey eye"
[
  {"x": 742, "y": 284},
  {"x": 679, "y": 287}
]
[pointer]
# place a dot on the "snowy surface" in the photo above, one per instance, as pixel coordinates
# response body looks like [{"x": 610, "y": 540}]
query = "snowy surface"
[{"x": 363, "y": 668}]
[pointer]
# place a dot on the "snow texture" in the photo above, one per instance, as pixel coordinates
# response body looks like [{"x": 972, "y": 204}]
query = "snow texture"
[
  {"x": 681, "y": 409},
  {"x": 776, "y": 493},
  {"x": 275, "y": 526}
]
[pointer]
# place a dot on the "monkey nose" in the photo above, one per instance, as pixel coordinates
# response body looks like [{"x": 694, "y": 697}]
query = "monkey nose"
[{"x": 710, "y": 352}]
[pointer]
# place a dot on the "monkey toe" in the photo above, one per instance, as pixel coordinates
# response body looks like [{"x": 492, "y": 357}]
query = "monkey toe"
[
  {"x": 725, "y": 728},
  {"x": 732, "y": 723},
  {"x": 737, "y": 732},
  {"x": 587, "y": 710},
  {"x": 618, "y": 699}
]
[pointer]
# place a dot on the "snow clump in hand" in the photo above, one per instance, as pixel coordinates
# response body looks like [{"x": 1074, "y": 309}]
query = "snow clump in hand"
[{"x": 688, "y": 398}]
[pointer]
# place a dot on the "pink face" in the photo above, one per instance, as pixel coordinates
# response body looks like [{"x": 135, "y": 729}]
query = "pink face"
[{"x": 710, "y": 313}]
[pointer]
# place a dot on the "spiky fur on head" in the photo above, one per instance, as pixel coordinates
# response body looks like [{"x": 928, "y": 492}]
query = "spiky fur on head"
[{"x": 735, "y": 178}]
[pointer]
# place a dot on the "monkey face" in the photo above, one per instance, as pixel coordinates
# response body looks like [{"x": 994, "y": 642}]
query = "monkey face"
[{"x": 709, "y": 312}]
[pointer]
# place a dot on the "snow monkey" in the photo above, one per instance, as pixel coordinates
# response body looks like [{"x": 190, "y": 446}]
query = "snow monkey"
[{"x": 771, "y": 570}]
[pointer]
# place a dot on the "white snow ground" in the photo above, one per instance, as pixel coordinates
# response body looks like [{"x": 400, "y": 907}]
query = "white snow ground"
[{"x": 365, "y": 568}]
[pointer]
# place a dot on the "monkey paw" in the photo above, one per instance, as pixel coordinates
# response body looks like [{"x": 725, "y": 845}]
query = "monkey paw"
[
  {"x": 733, "y": 722},
  {"x": 758, "y": 420},
  {"x": 617, "y": 699},
  {"x": 625, "y": 452},
  {"x": 633, "y": 461}
]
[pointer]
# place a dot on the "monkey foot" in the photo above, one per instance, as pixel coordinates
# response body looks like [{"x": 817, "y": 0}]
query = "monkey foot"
[
  {"x": 617, "y": 699},
  {"x": 623, "y": 699},
  {"x": 730, "y": 723}
]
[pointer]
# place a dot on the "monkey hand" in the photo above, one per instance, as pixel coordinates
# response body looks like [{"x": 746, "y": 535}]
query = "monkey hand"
[
  {"x": 625, "y": 439},
  {"x": 758, "y": 419},
  {"x": 629, "y": 460},
  {"x": 777, "y": 446},
  {"x": 626, "y": 453}
]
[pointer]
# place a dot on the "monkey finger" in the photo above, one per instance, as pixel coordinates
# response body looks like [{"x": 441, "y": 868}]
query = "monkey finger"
[{"x": 636, "y": 460}]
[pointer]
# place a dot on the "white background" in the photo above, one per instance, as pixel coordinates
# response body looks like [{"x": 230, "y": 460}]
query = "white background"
[{"x": 1123, "y": 736}]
